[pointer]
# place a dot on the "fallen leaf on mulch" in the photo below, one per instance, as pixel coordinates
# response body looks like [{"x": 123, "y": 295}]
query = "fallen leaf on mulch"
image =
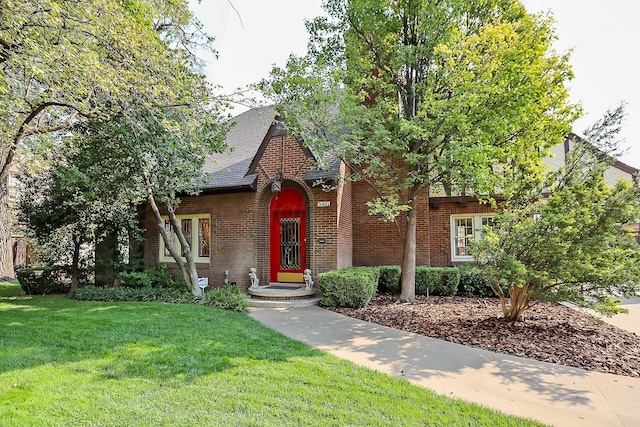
[{"x": 550, "y": 333}]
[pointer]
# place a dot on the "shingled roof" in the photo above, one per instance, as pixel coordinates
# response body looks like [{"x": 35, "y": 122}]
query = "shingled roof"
[{"x": 231, "y": 170}]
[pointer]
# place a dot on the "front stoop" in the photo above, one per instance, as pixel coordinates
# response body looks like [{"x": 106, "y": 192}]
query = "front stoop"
[
  {"x": 278, "y": 295},
  {"x": 253, "y": 302}
]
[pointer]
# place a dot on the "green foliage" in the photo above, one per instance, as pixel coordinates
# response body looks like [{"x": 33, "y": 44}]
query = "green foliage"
[
  {"x": 460, "y": 96},
  {"x": 473, "y": 283},
  {"x": 63, "y": 210},
  {"x": 166, "y": 151},
  {"x": 608, "y": 306},
  {"x": 47, "y": 279},
  {"x": 66, "y": 62},
  {"x": 571, "y": 244},
  {"x": 350, "y": 287},
  {"x": 227, "y": 297},
  {"x": 158, "y": 277},
  {"x": 389, "y": 278},
  {"x": 442, "y": 281},
  {"x": 120, "y": 293},
  {"x": 106, "y": 55}
]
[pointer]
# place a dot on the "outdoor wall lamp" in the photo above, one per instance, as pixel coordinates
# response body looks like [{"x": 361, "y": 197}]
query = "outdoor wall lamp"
[{"x": 276, "y": 185}]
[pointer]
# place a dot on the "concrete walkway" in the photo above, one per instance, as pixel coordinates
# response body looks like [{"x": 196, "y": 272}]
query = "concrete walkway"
[
  {"x": 629, "y": 321},
  {"x": 550, "y": 393}
]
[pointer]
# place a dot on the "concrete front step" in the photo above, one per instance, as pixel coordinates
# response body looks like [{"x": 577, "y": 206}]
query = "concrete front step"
[
  {"x": 274, "y": 303},
  {"x": 282, "y": 295}
]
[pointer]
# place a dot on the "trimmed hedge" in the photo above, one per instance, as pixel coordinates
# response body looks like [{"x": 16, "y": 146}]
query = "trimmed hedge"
[
  {"x": 473, "y": 283},
  {"x": 352, "y": 287},
  {"x": 50, "y": 279},
  {"x": 441, "y": 281},
  {"x": 227, "y": 297},
  {"x": 389, "y": 278}
]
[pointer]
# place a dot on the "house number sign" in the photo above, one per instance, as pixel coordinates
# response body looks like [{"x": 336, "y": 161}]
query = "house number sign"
[{"x": 324, "y": 204}]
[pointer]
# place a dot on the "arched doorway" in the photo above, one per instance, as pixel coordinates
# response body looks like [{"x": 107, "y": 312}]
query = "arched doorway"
[{"x": 287, "y": 236}]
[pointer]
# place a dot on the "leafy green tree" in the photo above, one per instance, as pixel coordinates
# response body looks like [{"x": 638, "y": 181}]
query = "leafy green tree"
[
  {"x": 419, "y": 96},
  {"x": 63, "y": 61},
  {"x": 571, "y": 243},
  {"x": 155, "y": 157},
  {"x": 63, "y": 209}
]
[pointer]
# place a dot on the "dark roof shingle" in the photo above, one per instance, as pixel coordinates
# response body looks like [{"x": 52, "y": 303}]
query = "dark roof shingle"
[{"x": 231, "y": 169}]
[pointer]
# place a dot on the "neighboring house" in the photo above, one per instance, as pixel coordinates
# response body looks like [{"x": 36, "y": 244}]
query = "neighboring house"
[{"x": 264, "y": 209}]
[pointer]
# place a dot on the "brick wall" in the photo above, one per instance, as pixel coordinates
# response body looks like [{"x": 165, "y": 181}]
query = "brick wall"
[
  {"x": 376, "y": 242},
  {"x": 240, "y": 221},
  {"x": 440, "y": 221},
  {"x": 283, "y": 153},
  {"x": 344, "y": 227},
  {"x": 232, "y": 235}
]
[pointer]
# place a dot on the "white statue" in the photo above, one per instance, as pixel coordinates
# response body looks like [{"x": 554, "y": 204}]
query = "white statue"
[
  {"x": 308, "y": 280},
  {"x": 254, "y": 278}
]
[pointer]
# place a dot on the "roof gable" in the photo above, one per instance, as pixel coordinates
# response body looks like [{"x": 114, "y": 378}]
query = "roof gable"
[
  {"x": 248, "y": 139},
  {"x": 231, "y": 168}
]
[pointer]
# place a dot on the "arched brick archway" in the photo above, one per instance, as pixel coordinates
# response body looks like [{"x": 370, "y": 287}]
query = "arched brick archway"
[{"x": 265, "y": 230}]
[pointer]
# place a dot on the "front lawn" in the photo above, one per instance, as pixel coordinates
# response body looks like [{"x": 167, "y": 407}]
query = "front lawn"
[{"x": 69, "y": 363}]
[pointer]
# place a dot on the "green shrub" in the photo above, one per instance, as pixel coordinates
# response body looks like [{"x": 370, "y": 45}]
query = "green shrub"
[
  {"x": 43, "y": 280},
  {"x": 121, "y": 293},
  {"x": 389, "y": 278},
  {"x": 442, "y": 281},
  {"x": 352, "y": 287},
  {"x": 473, "y": 283},
  {"x": 158, "y": 277},
  {"x": 227, "y": 297}
]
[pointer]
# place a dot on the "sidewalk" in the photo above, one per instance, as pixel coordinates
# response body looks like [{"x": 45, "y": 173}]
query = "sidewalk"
[
  {"x": 628, "y": 321},
  {"x": 550, "y": 393}
]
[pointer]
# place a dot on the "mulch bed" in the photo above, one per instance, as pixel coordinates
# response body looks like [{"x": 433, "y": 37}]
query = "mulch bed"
[{"x": 550, "y": 333}]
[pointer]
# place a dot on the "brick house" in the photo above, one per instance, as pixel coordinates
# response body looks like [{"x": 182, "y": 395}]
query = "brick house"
[{"x": 264, "y": 209}]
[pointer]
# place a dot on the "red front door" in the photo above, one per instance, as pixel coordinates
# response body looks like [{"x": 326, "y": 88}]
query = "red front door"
[{"x": 287, "y": 235}]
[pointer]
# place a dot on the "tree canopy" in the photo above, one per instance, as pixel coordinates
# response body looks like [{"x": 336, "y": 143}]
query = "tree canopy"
[
  {"x": 62, "y": 61},
  {"x": 418, "y": 96},
  {"x": 571, "y": 242},
  {"x": 154, "y": 157},
  {"x": 66, "y": 204}
]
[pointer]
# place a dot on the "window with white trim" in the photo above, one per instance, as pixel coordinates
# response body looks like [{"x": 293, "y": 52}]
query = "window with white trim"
[
  {"x": 196, "y": 230},
  {"x": 464, "y": 230}
]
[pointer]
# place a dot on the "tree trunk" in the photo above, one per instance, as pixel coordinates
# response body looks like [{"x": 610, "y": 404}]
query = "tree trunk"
[
  {"x": 519, "y": 301},
  {"x": 520, "y": 297},
  {"x": 106, "y": 255},
  {"x": 6, "y": 255},
  {"x": 191, "y": 271},
  {"x": 408, "y": 279},
  {"x": 74, "y": 264}
]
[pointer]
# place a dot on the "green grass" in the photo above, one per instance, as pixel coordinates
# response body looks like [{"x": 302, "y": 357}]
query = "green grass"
[{"x": 73, "y": 363}]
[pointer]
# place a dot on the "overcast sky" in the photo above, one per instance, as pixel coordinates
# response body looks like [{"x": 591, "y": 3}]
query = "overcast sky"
[{"x": 604, "y": 37}]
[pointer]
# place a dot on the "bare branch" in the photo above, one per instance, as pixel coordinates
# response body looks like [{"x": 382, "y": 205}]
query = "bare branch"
[{"x": 237, "y": 13}]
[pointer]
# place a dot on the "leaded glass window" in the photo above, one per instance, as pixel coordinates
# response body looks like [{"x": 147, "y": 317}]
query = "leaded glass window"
[
  {"x": 204, "y": 237},
  {"x": 290, "y": 243}
]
